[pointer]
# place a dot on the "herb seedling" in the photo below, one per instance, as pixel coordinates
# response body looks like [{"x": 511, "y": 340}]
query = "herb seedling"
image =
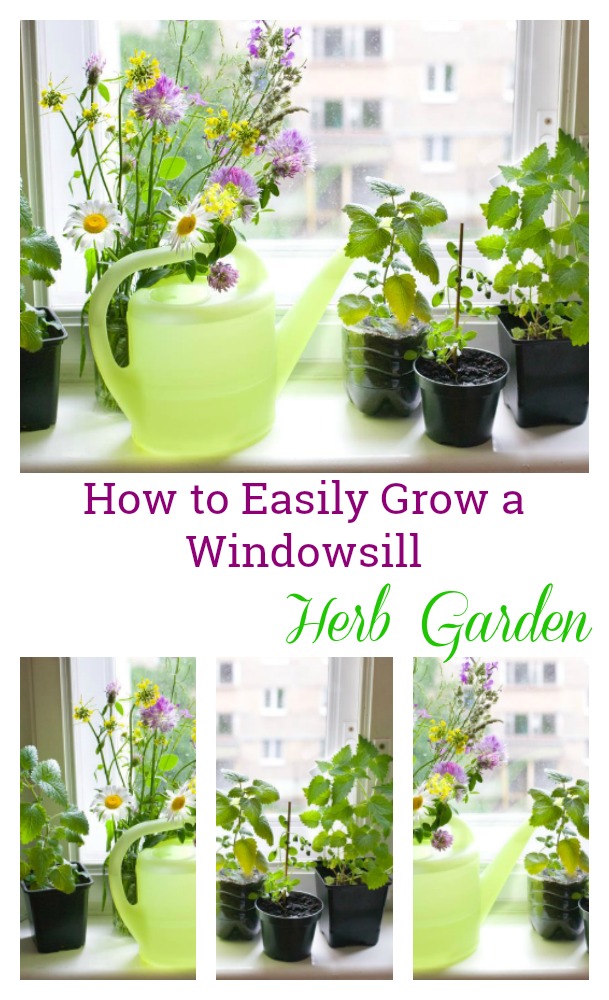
[
  {"x": 563, "y": 812},
  {"x": 278, "y": 885},
  {"x": 241, "y": 813}
]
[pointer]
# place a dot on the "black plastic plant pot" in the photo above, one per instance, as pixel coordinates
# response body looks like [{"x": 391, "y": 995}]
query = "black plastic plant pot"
[
  {"x": 458, "y": 413},
  {"x": 236, "y": 914},
  {"x": 352, "y": 914},
  {"x": 59, "y": 919},
  {"x": 379, "y": 380},
  {"x": 584, "y": 905},
  {"x": 40, "y": 380},
  {"x": 287, "y": 934},
  {"x": 554, "y": 909},
  {"x": 548, "y": 379}
]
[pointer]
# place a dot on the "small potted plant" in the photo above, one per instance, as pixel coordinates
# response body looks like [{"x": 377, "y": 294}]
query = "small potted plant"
[
  {"x": 41, "y": 333},
  {"x": 584, "y": 905},
  {"x": 239, "y": 861},
  {"x": 354, "y": 863},
  {"x": 558, "y": 872},
  {"x": 385, "y": 323},
  {"x": 544, "y": 319},
  {"x": 55, "y": 889},
  {"x": 460, "y": 385},
  {"x": 288, "y": 918}
]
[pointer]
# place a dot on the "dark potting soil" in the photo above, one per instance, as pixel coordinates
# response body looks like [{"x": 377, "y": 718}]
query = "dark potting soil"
[
  {"x": 298, "y": 904},
  {"x": 473, "y": 368}
]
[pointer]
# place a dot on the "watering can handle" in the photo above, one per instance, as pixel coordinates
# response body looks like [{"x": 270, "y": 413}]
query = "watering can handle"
[
  {"x": 122, "y": 269},
  {"x": 126, "y": 909}
]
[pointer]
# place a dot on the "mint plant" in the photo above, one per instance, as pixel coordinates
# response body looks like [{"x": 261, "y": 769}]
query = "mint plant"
[
  {"x": 545, "y": 277},
  {"x": 241, "y": 813},
  {"x": 40, "y": 255},
  {"x": 43, "y": 864},
  {"x": 351, "y": 805},
  {"x": 384, "y": 237},
  {"x": 564, "y": 813}
]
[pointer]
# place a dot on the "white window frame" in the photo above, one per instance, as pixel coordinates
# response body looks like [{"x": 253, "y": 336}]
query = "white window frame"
[
  {"x": 290, "y": 262},
  {"x": 438, "y": 94},
  {"x": 437, "y": 164}
]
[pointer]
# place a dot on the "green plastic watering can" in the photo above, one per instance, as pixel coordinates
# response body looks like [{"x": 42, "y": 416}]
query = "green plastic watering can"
[
  {"x": 451, "y": 898},
  {"x": 204, "y": 366},
  {"x": 163, "y": 921}
]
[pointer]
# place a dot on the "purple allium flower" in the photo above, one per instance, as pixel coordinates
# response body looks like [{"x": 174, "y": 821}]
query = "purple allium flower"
[
  {"x": 248, "y": 189},
  {"x": 491, "y": 752},
  {"x": 222, "y": 276},
  {"x": 162, "y": 716},
  {"x": 292, "y": 153},
  {"x": 441, "y": 840},
  {"x": 165, "y": 102},
  {"x": 112, "y": 690},
  {"x": 94, "y": 68}
]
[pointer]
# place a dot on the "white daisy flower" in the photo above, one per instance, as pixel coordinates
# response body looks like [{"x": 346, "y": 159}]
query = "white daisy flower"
[
  {"x": 95, "y": 224},
  {"x": 112, "y": 802},
  {"x": 178, "y": 803},
  {"x": 421, "y": 799},
  {"x": 185, "y": 225}
]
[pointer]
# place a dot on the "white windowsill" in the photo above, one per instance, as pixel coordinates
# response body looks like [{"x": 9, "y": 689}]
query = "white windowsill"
[
  {"x": 510, "y": 949},
  {"x": 107, "y": 954},
  {"x": 316, "y": 428},
  {"x": 246, "y": 960}
]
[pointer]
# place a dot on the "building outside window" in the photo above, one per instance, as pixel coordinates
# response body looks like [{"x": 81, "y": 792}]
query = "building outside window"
[
  {"x": 440, "y": 79},
  {"x": 226, "y": 673},
  {"x": 438, "y": 150},
  {"x": 225, "y": 724}
]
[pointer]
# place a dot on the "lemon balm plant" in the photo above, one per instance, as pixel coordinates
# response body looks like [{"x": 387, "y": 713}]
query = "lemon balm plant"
[
  {"x": 240, "y": 861},
  {"x": 385, "y": 323},
  {"x": 158, "y": 160},
  {"x": 54, "y": 887}
]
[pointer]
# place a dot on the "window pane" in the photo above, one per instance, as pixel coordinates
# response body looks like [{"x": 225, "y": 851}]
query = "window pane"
[{"x": 280, "y": 747}]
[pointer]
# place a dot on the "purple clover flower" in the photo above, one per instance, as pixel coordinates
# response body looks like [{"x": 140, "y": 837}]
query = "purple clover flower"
[
  {"x": 255, "y": 39},
  {"x": 465, "y": 675},
  {"x": 455, "y": 770},
  {"x": 165, "y": 102},
  {"x": 291, "y": 152},
  {"x": 94, "y": 68},
  {"x": 490, "y": 669},
  {"x": 441, "y": 840},
  {"x": 222, "y": 276},
  {"x": 490, "y": 752},
  {"x": 241, "y": 179},
  {"x": 162, "y": 716},
  {"x": 112, "y": 690}
]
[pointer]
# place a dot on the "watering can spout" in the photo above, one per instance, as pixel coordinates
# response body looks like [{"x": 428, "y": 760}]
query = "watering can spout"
[
  {"x": 496, "y": 874},
  {"x": 298, "y": 324}
]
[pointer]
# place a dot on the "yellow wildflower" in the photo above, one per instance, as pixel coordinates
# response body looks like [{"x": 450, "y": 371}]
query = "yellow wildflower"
[
  {"x": 146, "y": 694},
  {"x": 440, "y": 786},
  {"x": 142, "y": 72},
  {"x": 437, "y": 731},
  {"x": 82, "y": 713},
  {"x": 245, "y": 135},
  {"x": 457, "y": 739},
  {"x": 111, "y": 724},
  {"x": 92, "y": 116},
  {"x": 52, "y": 99},
  {"x": 216, "y": 125},
  {"x": 218, "y": 201}
]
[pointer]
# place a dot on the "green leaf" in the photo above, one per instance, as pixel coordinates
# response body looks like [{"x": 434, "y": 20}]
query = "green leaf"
[
  {"x": 28, "y": 758},
  {"x": 580, "y": 227},
  {"x": 42, "y": 249},
  {"x": 429, "y": 211},
  {"x": 399, "y": 290},
  {"x": 438, "y": 298},
  {"x": 39, "y": 273},
  {"x": 47, "y": 775},
  {"x": 535, "y": 862},
  {"x": 535, "y": 236},
  {"x": 422, "y": 308},
  {"x": 384, "y": 188},
  {"x": 505, "y": 278},
  {"x": 409, "y": 233},
  {"x": 537, "y": 159},
  {"x": 353, "y": 309},
  {"x": 91, "y": 265},
  {"x": 226, "y": 812},
  {"x": 310, "y": 818},
  {"x": 105, "y": 93},
  {"x": 320, "y": 841},
  {"x": 502, "y": 207},
  {"x": 491, "y": 247},
  {"x": 168, "y": 761},
  {"x": 263, "y": 830},
  {"x": 535, "y": 201},
  {"x": 545, "y": 814},
  {"x": 511, "y": 173},
  {"x": 63, "y": 878},
  {"x": 318, "y": 792},
  {"x": 568, "y": 277},
  {"x": 529, "y": 275},
  {"x": 75, "y": 821},
  {"x": 375, "y": 878},
  {"x": 342, "y": 757},
  {"x": 264, "y": 791},
  {"x": 171, "y": 167},
  {"x": 338, "y": 838},
  {"x": 366, "y": 236},
  {"x": 246, "y": 851},
  {"x": 341, "y": 787},
  {"x": 380, "y": 766},
  {"x": 25, "y": 214},
  {"x": 569, "y": 851},
  {"x": 423, "y": 259},
  {"x": 385, "y": 210},
  {"x": 234, "y": 777},
  {"x": 32, "y": 818}
]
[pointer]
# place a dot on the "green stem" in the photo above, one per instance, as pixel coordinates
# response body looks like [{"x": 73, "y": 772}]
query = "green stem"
[
  {"x": 78, "y": 153},
  {"x": 150, "y": 188}
]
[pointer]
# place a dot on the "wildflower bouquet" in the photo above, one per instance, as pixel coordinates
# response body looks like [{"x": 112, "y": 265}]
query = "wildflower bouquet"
[
  {"x": 452, "y": 751},
  {"x": 159, "y": 163},
  {"x": 146, "y": 749}
]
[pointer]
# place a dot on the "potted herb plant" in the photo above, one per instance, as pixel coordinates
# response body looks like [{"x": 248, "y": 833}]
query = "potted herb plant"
[
  {"x": 460, "y": 385},
  {"x": 55, "y": 889},
  {"x": 41, "y": 333},
  {"x": 385, "y": 323},
  {"x": 544, "y": 319},
  {"x": 584, "y": 906},
  {"x": 288, "y": 917},
  {"x": 558, "y": 872},
  {"x": 239, "y": 861},
  {"x": 354, "y": 863}
]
